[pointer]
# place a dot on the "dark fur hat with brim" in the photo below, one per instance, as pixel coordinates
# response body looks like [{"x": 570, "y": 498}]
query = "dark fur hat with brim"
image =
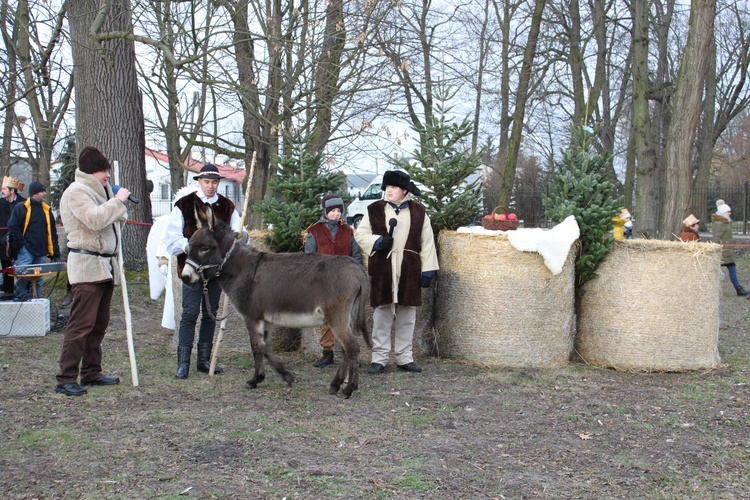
[
  {"x": 209, "y": 171},
  {"x": 401, "y": 179}
]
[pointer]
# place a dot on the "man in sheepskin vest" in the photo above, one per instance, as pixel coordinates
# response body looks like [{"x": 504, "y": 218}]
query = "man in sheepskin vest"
[
  {"x": 397, "y": 235},
  {"x": 190, "y": 213},
  {"x": 93, "y": 216}
]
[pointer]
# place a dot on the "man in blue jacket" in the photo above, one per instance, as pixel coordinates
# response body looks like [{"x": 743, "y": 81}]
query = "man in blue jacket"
[{"x": 33, "y": 236}]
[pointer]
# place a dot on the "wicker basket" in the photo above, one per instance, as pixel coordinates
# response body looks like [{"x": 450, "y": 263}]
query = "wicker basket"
[{"x": 497, "y": 224}]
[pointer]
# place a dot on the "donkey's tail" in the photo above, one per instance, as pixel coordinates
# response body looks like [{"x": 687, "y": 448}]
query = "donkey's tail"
[{"x": 361, "y": 320}]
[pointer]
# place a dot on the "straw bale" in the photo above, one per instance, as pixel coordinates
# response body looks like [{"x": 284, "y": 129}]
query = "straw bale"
[
  {"x": 654, "y": 307},
  {"x": 500, "y": 307}
]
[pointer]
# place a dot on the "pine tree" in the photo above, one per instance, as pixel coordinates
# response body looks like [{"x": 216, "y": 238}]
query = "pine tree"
[
  {"x": 68, "y": 164},
  {"x": 443, "y": 164},
  {"x": 297, "y": 186},
  {"x": 581, "y": 187}
]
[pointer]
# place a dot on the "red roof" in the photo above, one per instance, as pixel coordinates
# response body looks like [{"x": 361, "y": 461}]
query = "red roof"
[{"x": 233, "y": 174}]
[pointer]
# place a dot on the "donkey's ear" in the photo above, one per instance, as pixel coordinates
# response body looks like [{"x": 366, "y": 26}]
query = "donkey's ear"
[
  {"x": 209, "y": 217},
  {"x": 199, "y": 208}
]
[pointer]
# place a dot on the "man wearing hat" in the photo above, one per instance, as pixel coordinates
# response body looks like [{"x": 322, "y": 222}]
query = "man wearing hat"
[
  {"x": 189, "y": 214},
  {"x": 33, "y": 236},
  {"x": 10, "y": 198},
  {"x": 93, "y": 216},
  {"x": 331, "y": 236},
  {"x": 397, "y": 235}
]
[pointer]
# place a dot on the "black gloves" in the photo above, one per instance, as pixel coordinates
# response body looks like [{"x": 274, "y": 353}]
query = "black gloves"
[
  {"x": 55, "y": 258},
  {"x": 426, "y": 279},
  {"x": 384, "y": 243}
]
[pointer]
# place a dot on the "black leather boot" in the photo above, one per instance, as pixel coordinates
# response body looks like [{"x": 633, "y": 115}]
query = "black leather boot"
[
  {"x": 325, "y": 360},
  {"x": 204, "y": 358},
  {"x": 183, "y": 362},
  {"x": 741, "y": 292}
]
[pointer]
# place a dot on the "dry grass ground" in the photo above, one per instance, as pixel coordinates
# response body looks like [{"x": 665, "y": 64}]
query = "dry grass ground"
[{"x": 456, "y": 430}]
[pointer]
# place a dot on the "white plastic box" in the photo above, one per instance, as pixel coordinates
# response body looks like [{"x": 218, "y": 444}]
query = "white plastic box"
[{"x": 24, "y": 319}]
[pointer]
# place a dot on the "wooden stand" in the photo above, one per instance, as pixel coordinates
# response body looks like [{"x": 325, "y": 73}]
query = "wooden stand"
[{"x": 32, "y": 277}]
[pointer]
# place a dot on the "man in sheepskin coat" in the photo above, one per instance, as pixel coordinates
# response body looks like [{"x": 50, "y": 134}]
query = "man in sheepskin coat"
[
  {"x": 397, "y": 235},
  {"x": 93, "y": 216}
]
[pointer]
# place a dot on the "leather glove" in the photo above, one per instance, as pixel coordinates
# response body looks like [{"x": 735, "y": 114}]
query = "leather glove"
[
  {"x": 426, "y": 279},
  {"x": 385, "y": 243}
]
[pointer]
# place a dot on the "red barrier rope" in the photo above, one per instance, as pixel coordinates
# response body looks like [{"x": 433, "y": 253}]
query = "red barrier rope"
[{"x": 138, "y": 223}]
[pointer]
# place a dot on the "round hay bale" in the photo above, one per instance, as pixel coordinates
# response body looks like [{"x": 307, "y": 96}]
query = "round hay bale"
[
  {"x": 500, "y": 307},
  {"x": 654, "y": 307}
]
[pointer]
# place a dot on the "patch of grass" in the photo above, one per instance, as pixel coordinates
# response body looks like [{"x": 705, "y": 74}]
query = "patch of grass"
[
  {"x": 697, "y": 392},
  {"x": 53, "y": 437},
  {"x": 415, "y": 481}
]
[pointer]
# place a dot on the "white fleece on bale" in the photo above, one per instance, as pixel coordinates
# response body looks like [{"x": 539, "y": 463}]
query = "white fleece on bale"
[{"x": 552, "y": 244}]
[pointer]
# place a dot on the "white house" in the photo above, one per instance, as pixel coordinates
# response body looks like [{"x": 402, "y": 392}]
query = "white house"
[{"x": 157, "y": 171}]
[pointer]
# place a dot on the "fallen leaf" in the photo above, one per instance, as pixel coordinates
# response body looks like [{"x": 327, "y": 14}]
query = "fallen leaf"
[{"x": 583, "y": 435}]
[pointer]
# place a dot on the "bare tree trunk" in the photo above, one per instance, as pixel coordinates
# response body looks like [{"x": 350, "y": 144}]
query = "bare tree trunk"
[
  {"x": 705, "y": 142},
  {"x": 483, "y": 46},
  {"x": 522, "y": 95},
  {"x": 109, "y": 113},
  {"x": 327, "y": 77},
  {"x": 686, "y": 113},
  {"x": 646, "y": 194}
]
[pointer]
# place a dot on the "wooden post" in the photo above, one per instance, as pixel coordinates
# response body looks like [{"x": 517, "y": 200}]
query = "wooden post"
[
  {"x": 125, "y": 301},
  {"x": 225, "y": 307}
]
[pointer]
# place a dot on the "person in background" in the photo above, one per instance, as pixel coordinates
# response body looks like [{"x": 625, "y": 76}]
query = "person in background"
[
  {"x": 622, "y": 223},
  {"x": 10, "y": 198},
  {"x": 397, "y": 235},
  {"x": 93, "y": 216},
  {"x": 722, "y": 232},
  {"x": 190, "y": 213},
  {"x": 33, "y": 237},
  {"x": 331, "y": 236},
  {"x": 691, "y": 228}
]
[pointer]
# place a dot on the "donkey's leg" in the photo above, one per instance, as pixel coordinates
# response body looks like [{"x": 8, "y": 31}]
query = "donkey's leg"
[
  {"x": 255, "y": 329},
  {"x": 339, "y": 324},
  {"x": 352, "y": 357},
  {"x": 275, "y": 362}
]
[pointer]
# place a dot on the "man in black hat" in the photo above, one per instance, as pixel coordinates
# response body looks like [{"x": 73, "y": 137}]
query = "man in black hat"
[
  {"x": 190, "y": 213},
  {"x": 33, "y": 236},
  {"x": 397, "y": 235}
]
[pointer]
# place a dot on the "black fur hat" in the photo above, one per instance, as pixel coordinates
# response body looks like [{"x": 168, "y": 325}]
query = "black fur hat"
[{"x": 401, "y": 179}]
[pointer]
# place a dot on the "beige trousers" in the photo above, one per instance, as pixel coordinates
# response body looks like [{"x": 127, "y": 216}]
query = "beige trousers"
[{"x": 383, "y": 322}]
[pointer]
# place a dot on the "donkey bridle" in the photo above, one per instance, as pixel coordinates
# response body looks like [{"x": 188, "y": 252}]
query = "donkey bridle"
[{"x": 200, "y": 268}]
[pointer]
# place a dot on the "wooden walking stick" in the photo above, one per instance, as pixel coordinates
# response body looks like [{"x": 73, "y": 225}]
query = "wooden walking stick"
[
  {"x": 215, "y": 353},
  {"x": 125, "y": 300}
]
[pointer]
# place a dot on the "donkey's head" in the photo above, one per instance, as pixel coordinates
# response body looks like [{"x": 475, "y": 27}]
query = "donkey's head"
[{"x": 207, "y": 252}]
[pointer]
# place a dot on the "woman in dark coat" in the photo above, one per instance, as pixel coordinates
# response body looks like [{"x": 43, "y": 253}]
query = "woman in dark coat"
[{"x": 723, "y": 235}]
